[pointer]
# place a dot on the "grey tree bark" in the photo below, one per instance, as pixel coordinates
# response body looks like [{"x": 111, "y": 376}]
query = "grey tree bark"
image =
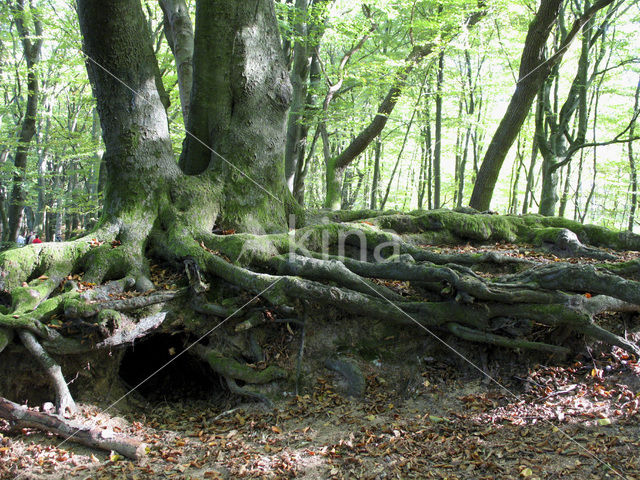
[
  {"x": 241, "y": 93},
  {"x": 179, "y": 33}
]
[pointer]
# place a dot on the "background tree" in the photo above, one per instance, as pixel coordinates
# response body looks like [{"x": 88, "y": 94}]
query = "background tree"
[
  {"x": 31, "y": 39},
  {"x": 535, "y": 67}
]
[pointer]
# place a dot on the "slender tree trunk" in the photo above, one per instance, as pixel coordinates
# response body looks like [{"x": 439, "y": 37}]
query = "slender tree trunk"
[
  {"x": 458, "y": 153},
  {"x": 4, "y": 221},
  {"x": 437, "y": 149},
  {"x": 632, "y": 164},
  {"x": 179, "y": 33},
  {"x": 303, "y": 75},
  {"x": 564, "y": 199},
  {"x": 303, "y": 158},
  {"x": 333, "y": 181},
  {"x": 28, "y": 128},
  {"x": 42, "y": 173},
  {"x": 404, "y": 144},
  {"x": 299, "y": 83},
  {"x": 377, "y": 153},
  {"x": 549, "y": 192},
  {"x": 463, "y": 166},
  {"x": 517, "y": 165},
  {"x": 534, "y": 69}
]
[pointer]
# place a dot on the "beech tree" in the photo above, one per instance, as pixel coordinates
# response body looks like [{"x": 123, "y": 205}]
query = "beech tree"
[
  {"x": 535, "y": 67},
  {"x": 220, "y": 215}
]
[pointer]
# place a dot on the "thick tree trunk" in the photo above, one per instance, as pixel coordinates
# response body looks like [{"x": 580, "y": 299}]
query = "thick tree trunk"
[
  {"x": 138, "y": 159},
  {"x": 241, "y": 93}
]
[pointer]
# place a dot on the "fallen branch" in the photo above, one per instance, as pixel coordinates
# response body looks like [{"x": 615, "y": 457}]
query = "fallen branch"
[{"x": 21, "y": 417}]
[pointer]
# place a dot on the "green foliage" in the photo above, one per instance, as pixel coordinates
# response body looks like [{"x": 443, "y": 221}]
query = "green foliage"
[{"x": 480, "y": 73}]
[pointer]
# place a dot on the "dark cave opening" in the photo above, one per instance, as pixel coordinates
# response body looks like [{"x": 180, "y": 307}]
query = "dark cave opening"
[{"x": 168, "y": 372}]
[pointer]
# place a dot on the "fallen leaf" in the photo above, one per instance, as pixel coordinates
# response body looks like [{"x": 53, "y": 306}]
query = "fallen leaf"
[{"x": 526, "y": 472}]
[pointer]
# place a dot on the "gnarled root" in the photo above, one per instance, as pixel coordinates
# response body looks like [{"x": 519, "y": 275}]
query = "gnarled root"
[
  {"x": 232, "y": 370},
  {"x": 64, "y": 400}
]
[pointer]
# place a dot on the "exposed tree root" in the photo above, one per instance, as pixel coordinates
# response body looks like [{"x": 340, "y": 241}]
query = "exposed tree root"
[
  {"x": 486, "y": 337},
  {"x": 80, "y": 309},
  {"x": 232, "y": 370},
  {"x": 245, "y": 392},
  {"x": 351, "y": 267},
  {"x": 565, "y": 243},
  {"x": 64, "y": 400},
  {"x": 6, "y": 336}
]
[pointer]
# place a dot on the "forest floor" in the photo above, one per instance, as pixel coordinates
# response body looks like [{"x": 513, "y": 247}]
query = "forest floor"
[{"x": 574, "y": 419}]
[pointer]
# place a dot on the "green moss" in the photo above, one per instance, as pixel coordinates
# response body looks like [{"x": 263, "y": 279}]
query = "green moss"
[
  {"x": 240, "y": 371},
  {"x": 445, "y": 227},
  {"x": 108, "y": 263},
  {"x": 74, "y": 307},
  {"x": 110, "y": 318},
  {"x": 538, "y": 236},
  {"x": 5, "y": 337}
]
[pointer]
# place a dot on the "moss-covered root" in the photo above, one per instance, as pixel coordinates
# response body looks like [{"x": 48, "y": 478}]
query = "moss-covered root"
[
  {"x": 455, "y": 227},
  {"x": 580, "y": 279},
  {"x": 245, "y": 392},
  {"x": 64, "y": 400},
  {"x": 288, "y": 290},
  {"x": 6, "y": 335},
  {"x": 332, "y": 271},
  {"x": 566, "y": 243},
  {"x": 232, "y": 370},
  {"x": 52, "y": 259},
  {"x": 111, "y": 261},
  {"x": 478, "y": 336},
  {"x": 76, "y": 308},
  {"x": 34, "y": 320}
]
